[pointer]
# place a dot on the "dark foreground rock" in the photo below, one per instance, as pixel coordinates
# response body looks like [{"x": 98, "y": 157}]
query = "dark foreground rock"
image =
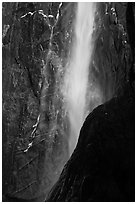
[{"x": 102, "y": 167}]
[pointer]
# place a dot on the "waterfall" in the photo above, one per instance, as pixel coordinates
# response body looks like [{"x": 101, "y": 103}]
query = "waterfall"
[{"x": 76, "y": 77}]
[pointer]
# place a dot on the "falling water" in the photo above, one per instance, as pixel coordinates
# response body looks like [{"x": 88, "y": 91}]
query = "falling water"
[{"x": 76, "y": 77}]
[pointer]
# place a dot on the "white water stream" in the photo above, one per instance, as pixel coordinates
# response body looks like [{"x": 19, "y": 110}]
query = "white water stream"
[{"x": 76, "y": 77}]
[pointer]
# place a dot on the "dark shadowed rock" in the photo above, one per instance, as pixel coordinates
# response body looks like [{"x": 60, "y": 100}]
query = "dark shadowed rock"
[{"x": 102, "y": 167}]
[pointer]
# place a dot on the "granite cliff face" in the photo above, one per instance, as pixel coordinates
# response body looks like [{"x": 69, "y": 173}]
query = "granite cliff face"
[
  {"x": 37, "y": 40},
  {"x": 35, "y": 145}
]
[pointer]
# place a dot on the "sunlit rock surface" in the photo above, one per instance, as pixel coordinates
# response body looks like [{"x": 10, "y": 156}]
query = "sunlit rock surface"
[{"x": 38, "y": 40}]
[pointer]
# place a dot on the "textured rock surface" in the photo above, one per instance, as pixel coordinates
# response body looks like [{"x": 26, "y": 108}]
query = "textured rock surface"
[
  {"x": 34, "y": 138},
  {"x": 36, "y": 41}
]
